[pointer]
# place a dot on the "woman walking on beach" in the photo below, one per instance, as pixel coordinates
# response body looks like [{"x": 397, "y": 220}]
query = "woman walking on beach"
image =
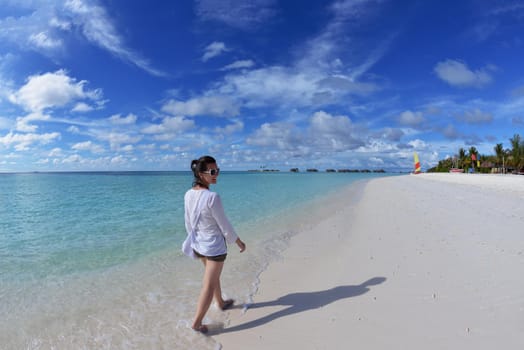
[{"x": 208, "y": 231}]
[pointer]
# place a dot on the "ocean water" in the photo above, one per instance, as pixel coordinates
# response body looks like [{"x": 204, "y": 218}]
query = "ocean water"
[{"x": 92, "y": 260}]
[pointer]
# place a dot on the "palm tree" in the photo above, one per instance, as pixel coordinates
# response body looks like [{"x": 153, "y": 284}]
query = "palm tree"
[
  {"x": 461, "y": 157},
  {"x": 473, "y": 152},
  {"x": 517, "y": 151},
  {"x": 499, "y": 153}
]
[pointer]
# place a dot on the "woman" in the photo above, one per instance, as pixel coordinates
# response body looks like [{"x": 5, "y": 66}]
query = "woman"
[{"x": 208, "y": 231}]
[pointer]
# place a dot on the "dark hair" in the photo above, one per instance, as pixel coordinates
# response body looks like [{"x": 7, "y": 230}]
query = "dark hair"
[{"x": 199, "y": 165}]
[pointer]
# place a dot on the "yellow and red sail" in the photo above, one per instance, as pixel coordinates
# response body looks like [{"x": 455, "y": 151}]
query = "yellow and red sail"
[{"x": 418, "y": 170}]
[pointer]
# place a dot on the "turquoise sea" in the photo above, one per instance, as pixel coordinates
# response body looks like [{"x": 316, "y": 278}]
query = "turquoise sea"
[{"x": 92, "y": 260}]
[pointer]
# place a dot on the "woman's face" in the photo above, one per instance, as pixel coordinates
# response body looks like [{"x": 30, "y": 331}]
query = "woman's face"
[{"x": 210, "y": 175}]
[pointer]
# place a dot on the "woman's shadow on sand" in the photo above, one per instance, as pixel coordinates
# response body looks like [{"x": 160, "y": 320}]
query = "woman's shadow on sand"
[{"x": 300, "y": 302}]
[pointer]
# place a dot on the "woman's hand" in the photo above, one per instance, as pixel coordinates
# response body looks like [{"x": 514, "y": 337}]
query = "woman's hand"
[{"x": 240, "y": 244}]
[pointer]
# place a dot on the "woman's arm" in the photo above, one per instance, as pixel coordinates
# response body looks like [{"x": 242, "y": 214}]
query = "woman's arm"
[
  {"x": 217, "y": 210},
  {"x": 240, "y": 244}
]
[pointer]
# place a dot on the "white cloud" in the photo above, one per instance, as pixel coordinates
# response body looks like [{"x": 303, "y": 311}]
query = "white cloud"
[
  {"x": 345, "y": 9},
  {"x": 450, "y": 132},
  {"x": 149, "y": 147},
  {"x": 377, "y": 146},
  {"x": 49, "y": 91},
  {"x": 118, "y": 160},
  {"x": 340, "y": 83},
  {"x": 88, "y": 146},
  {"x": 22, "y": 142},
  {"x": 155, "y": 129},
  {"x": 376, "y": 162},
  {"x": 240, "y": 14},
  {"x": 43, "y": 40},
  {"x": 127, "y": 148},
  {"x": 73, "y": 129},
  {"x": 43, "y": 161},
  {"x": 30, "y": 27},
  {"x": 273, "y": 85},
  {"x": 98, "y": 28},
  {"x": 41, "y": 29},
  {"x": 82, "y": 107},
  {"x": 286, "y": 87},
  {"x": 410, "y": 118},
  {"x": 60, "y": 24},
  {"x": 517, "y": 121},
  {"x": 315, "y": 79},
  {"x": 74, "y": 158},
  {"x": 392, "y": 134},
  {"x": 230, "y": 129},
  {"x": 476, "y": 116},
  {"x": 514, "y": 8},
  {"x": 23, "y": 123},
  {"x": 457, "y": 73},
  {"x": 52, "y": 90},
  {"x": 418, "y": 144},
  {"x": 177, "y": 124},
  {"x": 208, "y": 106},
  {"x": 118, "y": 120},
  {"x": 280, "y": 135},
  {"x": 55, "y": 152},
  {"x": 6, "y": 123},
  {"x": 334, "y": 132},
  {"x": 116, "y": 139},
  {"x": 324, "y": 134},
  {"x": 214, "y": 49},
  {"x": 324, "y": 50},
  {"x": 239, "y": 65},
  {"x": 324, "y": 123}
]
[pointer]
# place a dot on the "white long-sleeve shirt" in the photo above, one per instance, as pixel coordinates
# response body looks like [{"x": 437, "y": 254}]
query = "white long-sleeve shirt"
[{"x": 213, "y": 229}]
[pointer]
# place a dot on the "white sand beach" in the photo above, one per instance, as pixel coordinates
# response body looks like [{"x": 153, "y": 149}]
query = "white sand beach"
[{"x": 430, "y": 261}]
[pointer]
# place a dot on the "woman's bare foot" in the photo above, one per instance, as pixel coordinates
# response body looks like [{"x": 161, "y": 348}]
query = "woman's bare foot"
[
  {"x": 202, "y": 329},
  {"x": 227, "y": 304}
]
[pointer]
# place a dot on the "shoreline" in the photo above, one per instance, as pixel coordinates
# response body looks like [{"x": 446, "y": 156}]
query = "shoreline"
[
  {"x": 416, "y": 262},
  {"x": 149, "y": 299}
]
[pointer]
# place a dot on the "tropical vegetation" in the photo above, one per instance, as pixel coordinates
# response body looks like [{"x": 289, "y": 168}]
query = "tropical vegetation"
[{"x": 502, "y": 161}]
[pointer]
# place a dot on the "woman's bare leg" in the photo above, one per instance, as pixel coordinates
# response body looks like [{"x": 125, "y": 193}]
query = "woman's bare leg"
[
  {"x": 210, "y": 288},
  {"x": 218, "y": 295}
]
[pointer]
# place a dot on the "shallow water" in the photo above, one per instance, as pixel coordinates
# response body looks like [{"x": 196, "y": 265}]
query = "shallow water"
[{"x": 92, "y": 260}]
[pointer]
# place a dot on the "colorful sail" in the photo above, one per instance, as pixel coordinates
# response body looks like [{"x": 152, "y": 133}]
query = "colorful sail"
[{"x": 417, "y": 163}]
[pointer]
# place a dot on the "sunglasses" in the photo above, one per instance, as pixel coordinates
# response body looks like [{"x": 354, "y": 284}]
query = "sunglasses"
[{"x": 212, "y": 172}]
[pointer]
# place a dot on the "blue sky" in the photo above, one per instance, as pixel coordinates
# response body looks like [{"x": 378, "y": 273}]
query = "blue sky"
[{"x": 150, "y": 85}]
